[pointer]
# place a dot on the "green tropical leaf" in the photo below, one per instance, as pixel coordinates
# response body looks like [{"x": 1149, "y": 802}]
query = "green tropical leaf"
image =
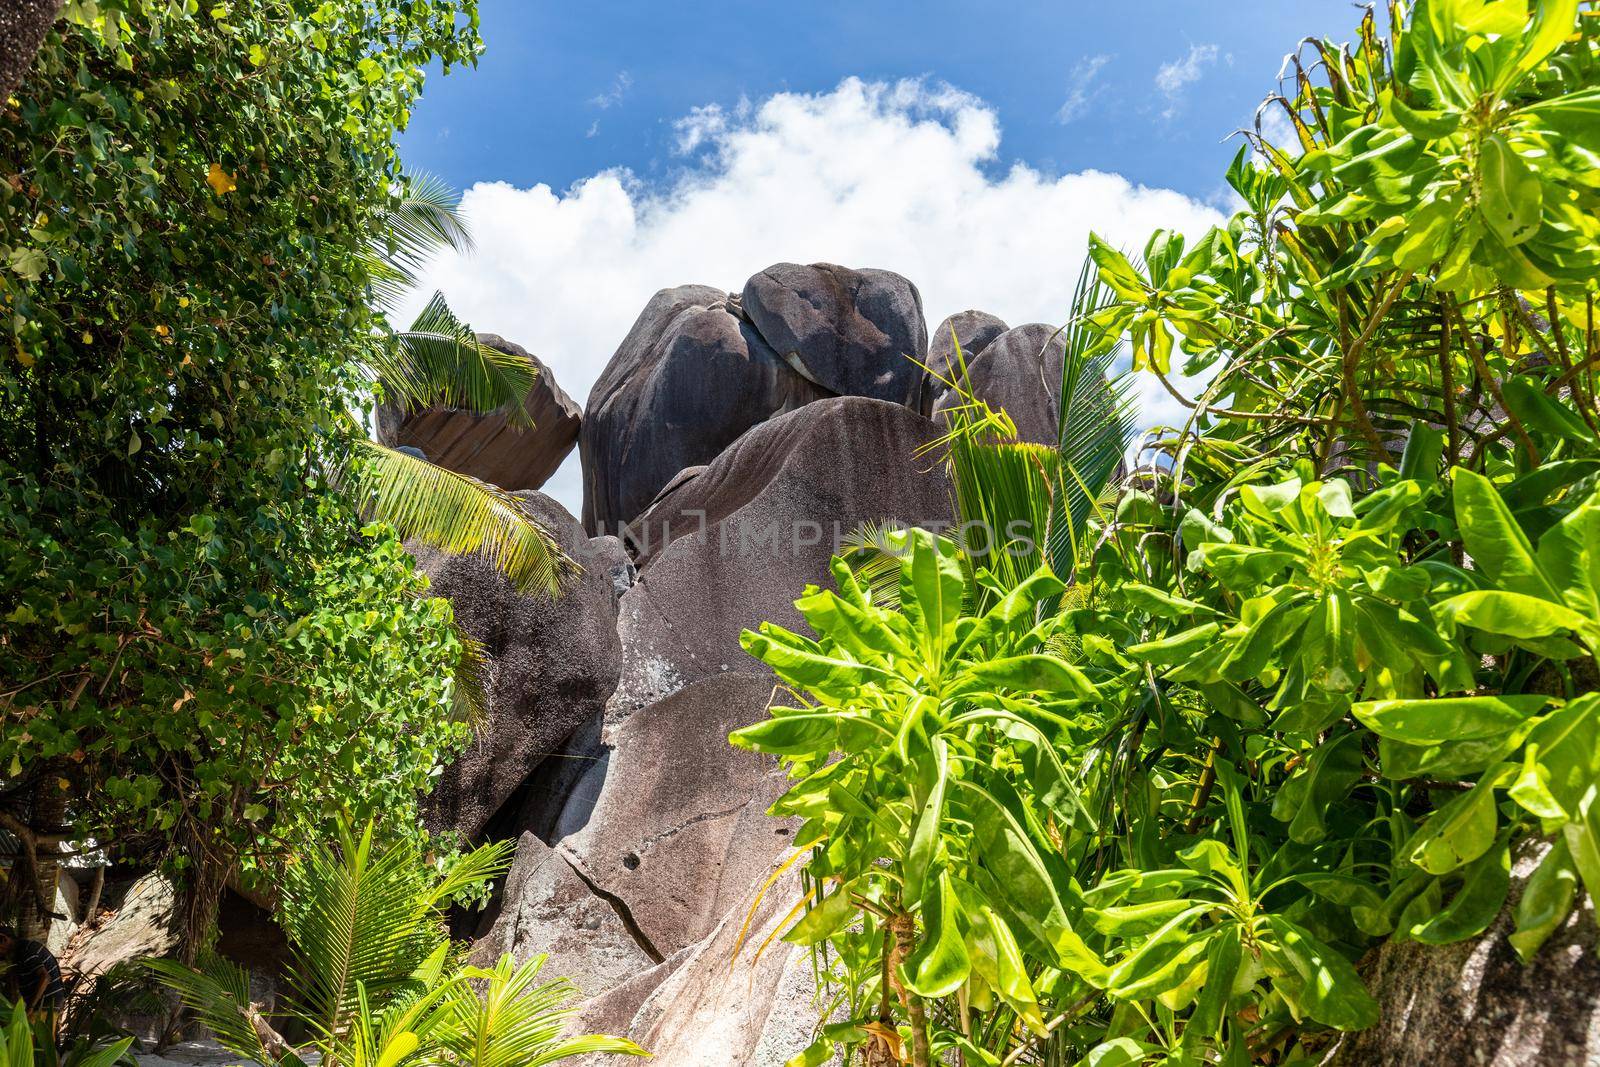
[{"x": 459, "y": 515}]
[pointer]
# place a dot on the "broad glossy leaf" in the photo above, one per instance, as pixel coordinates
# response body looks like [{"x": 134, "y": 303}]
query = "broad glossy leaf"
[
  {"x": 940, "y": 964},
  {"x": 1567, "y": 743},
  {"x": 801, "y": 666},
  {"x": 1031, "y": 673},
  {"x": 1569, "y": 552},
  {"x": 925, "y": 838},
  {"x": 1446, "y": 719},
  {"x": 1459, "y": 832},
  {"x": 1515, "y": 615},
  {"x": 1333, "y": 992},
  {"x": 1330, "y": 774},
  {"x": 789, "y": 735},
  {"x": 1022, "y": 875},
  {"x": 1546, "y": 900},
  {"x": 1493, "y": 539},
  {"x": 1511, "y": 192},
  {"x": 825, "y": 918},
  {"x": 1476, "y": 901}
]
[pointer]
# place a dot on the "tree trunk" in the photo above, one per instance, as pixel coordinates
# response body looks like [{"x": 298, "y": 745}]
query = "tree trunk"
[
  {"x": 201, "y": 896},
  {"x": 23, "y": 24}
]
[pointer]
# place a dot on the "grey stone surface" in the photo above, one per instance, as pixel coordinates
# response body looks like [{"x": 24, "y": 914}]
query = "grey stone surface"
[
  {"x": 974, "y": 331},
  {"x": 853, "y": 332},
  {"x": 66, "y": 903},
  {"x": 736, "y": 544},
  {"x": 1019, "y": 371},
  {"x": 723, "y": 1004},
  {"x": 549, "y": 909},
  {"x": 551, "y": 662},
  {"x": 141, "y": 926},
  {"x": 489, "y": 447},
  {"x": 690, "y": 377},
  {"x": 678, "y": 827},
  {"x": 1476, "y": 1003}
]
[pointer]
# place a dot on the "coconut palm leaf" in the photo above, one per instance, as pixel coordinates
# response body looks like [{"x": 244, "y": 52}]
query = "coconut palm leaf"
[
  {"x": 1095, "y": 423},
  {"x": 514, "y": 1022},
  {"x": 460, "y": 515},
  {"x": 217, "y": 991},
  {"x": 423, "y": 221},
  {"x": 365, "y": 923},
  {"x": 440, "y": 361}
]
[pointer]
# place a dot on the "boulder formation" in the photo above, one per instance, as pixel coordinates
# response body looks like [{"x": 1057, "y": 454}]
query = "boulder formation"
[
  {"x": 700, "y": 367},
  {"x": 733, "y": 442},
  {"x": 734, "y": 545},
  {"x": 852, "y": 332},
  {"x": 690, "y": 377},
  {"x": 488, "y": 447},
  {"x": 550, "y": 663},
  {"x": 642, "y": 841},
  {"x": 974, "y": 331},
  {"x": 1476, "y": 1002},
  {"x": 1020, "y": 371}
]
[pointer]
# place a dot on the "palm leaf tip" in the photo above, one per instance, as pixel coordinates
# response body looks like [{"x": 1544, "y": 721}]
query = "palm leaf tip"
[{"x": 461, "y": 515}]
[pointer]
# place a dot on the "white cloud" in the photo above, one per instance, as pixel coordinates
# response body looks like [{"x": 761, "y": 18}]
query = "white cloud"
[
  {"x": 898, "y": 176},
  {"x": 613, "y": 96},
  {"x": 1083, "y": 89},
  {"x": 1173, "y": 78}
]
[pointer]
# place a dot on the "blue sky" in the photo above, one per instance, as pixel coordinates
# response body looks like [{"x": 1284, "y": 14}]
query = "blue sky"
[
  {"x": 607, "y": 150},
  {"x": 569, "y": 89}
]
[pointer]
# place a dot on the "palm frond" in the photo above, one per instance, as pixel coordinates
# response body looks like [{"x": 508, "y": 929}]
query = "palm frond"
[
  {"x": 1096, "y": 420},
  {"x": 423, "y": 221},
  {"x": 440, "y": 361},
  {"x": 514, "y": 1022},
  {"x": 218, "y": 992},
  {"x": 460, "y": 515},
  {"x": 873, "y": 551}
]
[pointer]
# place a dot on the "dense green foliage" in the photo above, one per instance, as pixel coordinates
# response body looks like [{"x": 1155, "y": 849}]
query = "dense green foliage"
[
  {"x": 32, "y": 1044},
  {"x": 376, "y": 982},
  {"x": 1323, "y": 665},
  {"x": 201, "y": 656}
]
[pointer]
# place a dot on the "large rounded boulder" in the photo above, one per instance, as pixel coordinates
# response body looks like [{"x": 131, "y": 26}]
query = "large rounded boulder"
[
  {"x": 690, "y": 377},
  {"x": 489, "y": 447},
  {"x": 973, "y": 331},
  {"x": 1019, "y": 371},
  {"x": 735, "y": 544},
  {"x": 700, "y": 367},
  {"x": 853, "y": 332},
  {"x": 551, "y": 662}
]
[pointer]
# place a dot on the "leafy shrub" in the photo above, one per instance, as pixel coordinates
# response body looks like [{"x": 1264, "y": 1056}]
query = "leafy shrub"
[
  {"x": 1322, "y": 665},
  {"x": 200, "y": 657}
]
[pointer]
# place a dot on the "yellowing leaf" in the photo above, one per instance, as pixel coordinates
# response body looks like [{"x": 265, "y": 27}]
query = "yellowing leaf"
[{"x": 220, "y": 180}]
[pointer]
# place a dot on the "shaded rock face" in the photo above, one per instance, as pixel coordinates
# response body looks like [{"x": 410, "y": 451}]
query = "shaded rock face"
[
  {"x": 975, "y": 331},
  {"x": 487, "y": 447},
  {"x": 700, "y": 367},
  {"x": 736, "y": 544},
  {"x": 552, "y": 662},
  {"x": 141, "y": 926},
  {"x": 717, "y": 1003},
  {"x": 1019, "y": 371},
  {"x": 643, "y": 844},
  {"x": 656, "y": 841},
  {"x": 690, "y": 377},
  {"x": 1476, "y": 1003},
  {"x": 853, "y": 332}
]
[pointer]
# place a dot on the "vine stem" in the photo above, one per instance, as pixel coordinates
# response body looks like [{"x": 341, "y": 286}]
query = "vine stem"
[
  {"x": 1051, "y": 1027},
  {"x": 1352, "y": 360},
  {"x": 1493, "y": 385}
]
